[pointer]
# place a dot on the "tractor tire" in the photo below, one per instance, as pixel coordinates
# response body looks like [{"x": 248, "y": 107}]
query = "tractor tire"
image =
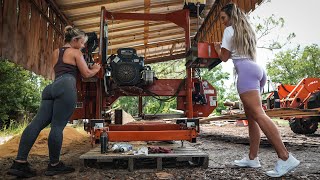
[
  {"x": 304, "y": 125},
  {"x": 314, "y": 100}
]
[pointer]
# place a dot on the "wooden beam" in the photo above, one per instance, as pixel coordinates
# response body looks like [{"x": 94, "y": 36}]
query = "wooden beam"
[
  {"x": 150, "y": 45},
  {"x": 127, "y": 25},
  {"x": 160, "y": 30},
  {"x": 164, "y": 53},
  {"x": 146, "y": 24},
  {"x": 80, "y": 5},
  {"x": 60, "y": 14},
  {"x": 57, "y": 29},
  {"x": 151, "y": 35},
  {"x": 126, "y": 9},
  {"x": 165, "y": 58},
  {"x": 209, "y": 30},
  {"x": 141, "y": 41}
]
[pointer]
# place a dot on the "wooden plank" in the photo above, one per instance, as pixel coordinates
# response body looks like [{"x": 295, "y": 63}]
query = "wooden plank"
[
  {"x": 279, "y": 112},
  {"x": 241, "y": 5},
  {"x": 130, "y": 164},
  {"x": 187, "y": 151},
  {"x": 1, "y": 28},
  {"x": 31, "y": 38},
  {"x": 49, "y": 48},
  {"x": 180, "y": 155},
  {"x": 9, "y": 29},
  {"x": 127, "y": 9},
  {"x": 22, "y": 46},
  {"x": 247, "y": 6},
  {"x": 78, "y": 5},
  {"x": 42, "y": 40},
  {"x": 34, "y": 37},
  {"x": 159, "y": 163},
  {"x": 253, "y": 4}
]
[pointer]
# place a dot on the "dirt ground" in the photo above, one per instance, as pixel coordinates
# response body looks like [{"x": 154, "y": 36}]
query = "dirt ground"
[{"x": 223, "y": 144}]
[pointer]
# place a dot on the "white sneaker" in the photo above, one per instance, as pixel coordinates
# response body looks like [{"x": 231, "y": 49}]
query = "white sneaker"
[
  {"x": 282, "y": 167},
  {"x": 246, "y": 162}
]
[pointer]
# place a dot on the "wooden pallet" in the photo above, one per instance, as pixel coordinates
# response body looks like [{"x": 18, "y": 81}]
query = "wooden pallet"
[{"x": 180, "y": 157}]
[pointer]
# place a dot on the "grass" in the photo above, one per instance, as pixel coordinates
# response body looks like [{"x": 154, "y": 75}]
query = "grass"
[{"x": 14, "y": 128}]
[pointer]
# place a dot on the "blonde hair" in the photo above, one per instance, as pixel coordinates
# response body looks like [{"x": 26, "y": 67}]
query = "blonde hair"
[
  {"x": 244, "y": 38},
  {"x": 73, "y": 33}
]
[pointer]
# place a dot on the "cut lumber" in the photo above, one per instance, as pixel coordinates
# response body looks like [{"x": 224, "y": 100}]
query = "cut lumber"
[{"x": 278, "y": 112}]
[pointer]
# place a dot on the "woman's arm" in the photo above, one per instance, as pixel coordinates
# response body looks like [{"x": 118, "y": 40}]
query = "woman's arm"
[
  {"x": 223, "y": 53},
  {"x": 83, "y": 67}
]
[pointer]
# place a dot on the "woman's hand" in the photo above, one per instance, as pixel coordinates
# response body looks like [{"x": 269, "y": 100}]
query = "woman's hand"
[
  {"x": 217, "y": 46},
  {"x": 223, "y": 53},
  {"x": 96, "y": 66}
]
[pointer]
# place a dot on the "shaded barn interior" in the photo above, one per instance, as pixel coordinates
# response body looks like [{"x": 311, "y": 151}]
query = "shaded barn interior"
[{"x": 31, "y": 29}]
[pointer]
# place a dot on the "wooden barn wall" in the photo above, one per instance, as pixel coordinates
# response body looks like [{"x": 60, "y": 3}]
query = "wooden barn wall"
[
  {"x": 30, "y": 31},
  {"x": 212, "y": 28}
]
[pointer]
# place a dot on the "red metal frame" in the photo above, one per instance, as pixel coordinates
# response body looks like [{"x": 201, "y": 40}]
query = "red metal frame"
[
  {"x": 94, "y": 99},
  {"x": 180, "y": 18},
  {"x": 150, "y": 131}
]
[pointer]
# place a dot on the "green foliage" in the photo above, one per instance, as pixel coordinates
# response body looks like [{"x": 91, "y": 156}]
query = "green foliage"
[
  {"x": 172, "y": 69},
  {"x": 13, "y": 128},
  {"x": 128, "y": 104},
  {"x": 290, "y": 66},
  {"x": 267, "y": 26},
  {"x": 20, "y": 91}
]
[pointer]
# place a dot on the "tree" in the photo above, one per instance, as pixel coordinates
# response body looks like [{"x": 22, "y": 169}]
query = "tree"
[
  {"x": 264, "y": 28},
  {"x": 290, "y": 66},
  {"x": 20, "y": 91}
]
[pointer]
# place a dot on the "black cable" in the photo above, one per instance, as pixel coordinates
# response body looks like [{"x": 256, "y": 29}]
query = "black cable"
[{"x": 158, "y": 109}]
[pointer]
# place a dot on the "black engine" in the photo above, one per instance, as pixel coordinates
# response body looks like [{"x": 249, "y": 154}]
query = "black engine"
[{"x": 127, "y": 68}]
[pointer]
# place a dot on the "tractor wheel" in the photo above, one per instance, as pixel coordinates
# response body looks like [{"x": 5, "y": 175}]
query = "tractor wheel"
[{"x": 304, "y": 125}]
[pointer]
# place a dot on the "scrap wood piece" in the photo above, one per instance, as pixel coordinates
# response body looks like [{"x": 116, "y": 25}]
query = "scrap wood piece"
[{"x": 278, "y": 112}]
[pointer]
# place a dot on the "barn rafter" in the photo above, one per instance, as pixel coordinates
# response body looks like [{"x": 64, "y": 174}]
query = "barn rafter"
[{"x": 31, "y": 29}]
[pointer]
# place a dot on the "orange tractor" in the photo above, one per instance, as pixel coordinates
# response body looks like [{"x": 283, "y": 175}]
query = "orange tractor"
[{"x": 304, "y": 95}]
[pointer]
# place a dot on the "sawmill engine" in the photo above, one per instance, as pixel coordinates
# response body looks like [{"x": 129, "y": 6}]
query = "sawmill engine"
[{"x": 128, "y": 69}]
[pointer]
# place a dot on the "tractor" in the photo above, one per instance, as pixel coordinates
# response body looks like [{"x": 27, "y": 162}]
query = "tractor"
[{"x": 304, "y": 95}]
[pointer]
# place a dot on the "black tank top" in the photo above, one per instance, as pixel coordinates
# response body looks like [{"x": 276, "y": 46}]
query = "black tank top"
[{"x": 62, "y": 68}]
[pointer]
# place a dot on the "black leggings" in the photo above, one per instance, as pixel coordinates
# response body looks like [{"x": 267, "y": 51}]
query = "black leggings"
[{"x": 57, "y": 105}]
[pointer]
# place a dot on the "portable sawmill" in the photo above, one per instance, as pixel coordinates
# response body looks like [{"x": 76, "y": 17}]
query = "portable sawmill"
[{"x": 125, "y": 74}]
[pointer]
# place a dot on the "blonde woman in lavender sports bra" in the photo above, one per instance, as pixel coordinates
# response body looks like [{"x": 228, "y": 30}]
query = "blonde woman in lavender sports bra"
[{"x": 239, "y": 44}]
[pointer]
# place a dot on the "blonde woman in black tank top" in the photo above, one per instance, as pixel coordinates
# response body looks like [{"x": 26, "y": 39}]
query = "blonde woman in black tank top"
[{"x": 57, "y": 105}]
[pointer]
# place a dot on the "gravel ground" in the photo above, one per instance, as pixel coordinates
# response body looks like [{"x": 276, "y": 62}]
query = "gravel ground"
[{"x": 223, "y": 144}]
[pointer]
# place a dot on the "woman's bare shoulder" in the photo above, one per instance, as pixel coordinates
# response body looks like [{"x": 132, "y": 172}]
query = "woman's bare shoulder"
[{"x": 74, "y": 50}]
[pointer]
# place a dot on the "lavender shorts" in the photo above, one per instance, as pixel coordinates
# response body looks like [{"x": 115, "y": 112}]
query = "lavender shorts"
[{"x": 250, "y": 75}]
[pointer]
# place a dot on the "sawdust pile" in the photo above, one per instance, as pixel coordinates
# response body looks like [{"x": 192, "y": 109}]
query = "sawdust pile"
[{"x": 70, "y": 136}]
